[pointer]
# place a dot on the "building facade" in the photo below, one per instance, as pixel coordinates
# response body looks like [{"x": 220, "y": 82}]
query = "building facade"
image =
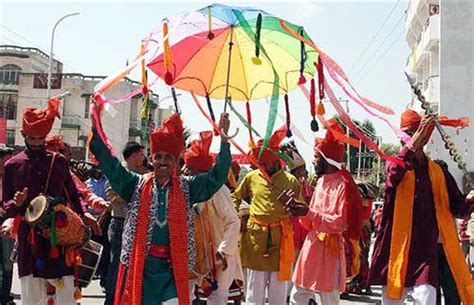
[
  {"x": 23, "y": 82},
  {"x": 439, "y": 33}
]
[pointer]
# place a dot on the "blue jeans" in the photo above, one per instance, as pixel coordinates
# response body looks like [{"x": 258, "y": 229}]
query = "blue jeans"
[
  {"x": 115, "y": 240},
  {"x": 6, "y": 270}
]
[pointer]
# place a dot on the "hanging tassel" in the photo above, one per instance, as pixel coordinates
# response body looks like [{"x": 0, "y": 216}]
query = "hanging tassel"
[
  {"x": 321, "y": 79},
  {"x": 39, "y": 264},
  {"x": 210, "y": 35},
  {"x": 288, "y": 121},
  {"x": 312, "y": 103},
  {"x": 167, "y": 56},
  {"x": 256, "y": 60},
  {"x": 50, "y": 301},
  {"x": 54, "y": 252},
  {"x": 175, "y": 100},
  {"x": 50, "y": 289},
  {"x": 77, "y": 294},
  {"x": 16, "y": 226},
  {"x": 302, "y": 79},
  {"x": 249, "y": 120},
  {"x": 59, "y": 284},
  {"x": 320, "y": 109}
]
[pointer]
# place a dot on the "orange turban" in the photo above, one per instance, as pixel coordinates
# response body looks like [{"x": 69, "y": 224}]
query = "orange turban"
[
  {"x": 410, "y": 120},
  {"x": 37, "y": 122},
  {"x": 331, "y": 147},
  {"x": 54, "y": 143},
  {"x": 197, "y": 157},
  {"x": 273, "y": 145},
  {"x": 169, "y": 138}
]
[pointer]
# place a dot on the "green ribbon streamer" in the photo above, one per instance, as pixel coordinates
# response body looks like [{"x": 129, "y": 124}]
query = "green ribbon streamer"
[
  {"x": 242, "y": 119},
  {"x": 272, "y": 114},
  {"x": 54, "y": 235}
]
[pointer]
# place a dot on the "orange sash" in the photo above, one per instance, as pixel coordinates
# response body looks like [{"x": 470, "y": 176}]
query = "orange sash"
[
  {"x": 402, "y": 229},
  {"x": 287, "y": 247}
]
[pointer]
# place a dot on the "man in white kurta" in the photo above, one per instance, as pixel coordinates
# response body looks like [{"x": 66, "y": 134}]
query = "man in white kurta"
[{"x": 222, "y": 220}]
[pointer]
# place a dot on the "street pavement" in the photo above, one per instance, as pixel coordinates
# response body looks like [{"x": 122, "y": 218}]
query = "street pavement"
[{"x": 93, "y": 295}]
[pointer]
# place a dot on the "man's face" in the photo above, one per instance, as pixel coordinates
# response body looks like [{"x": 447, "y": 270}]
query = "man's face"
[
  {"x": 34, "y": 142},
  {"x": 320, "y": 164},
  {"x": 163, "y": 164},
  {"x": 270, "y": 167},
  {"x": 408, "y": 132},
  {"x": 137, "y": 158},
  {"x": 300, "y": 172}
]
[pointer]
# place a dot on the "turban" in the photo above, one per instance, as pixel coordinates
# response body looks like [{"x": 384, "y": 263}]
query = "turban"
[
  {"x": 268, "y": 154},
  {"x": 410, "y": 120},
  {"x": 331, "y": 148},
  {"x": 169, "y": 138},
  {"x": 197, "y": 156},
  {"x": 37, "y": 122},
  {"x": 54, "y": 143}
]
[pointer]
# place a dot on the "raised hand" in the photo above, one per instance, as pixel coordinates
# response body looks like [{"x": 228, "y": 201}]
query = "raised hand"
[{"x": 423, "y": 133}]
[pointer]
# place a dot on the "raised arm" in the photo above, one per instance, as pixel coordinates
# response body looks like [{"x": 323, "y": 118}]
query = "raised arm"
[{"x": 122, "y": 180}]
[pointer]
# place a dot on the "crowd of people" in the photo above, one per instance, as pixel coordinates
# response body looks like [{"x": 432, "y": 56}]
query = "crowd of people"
[{"x": 184, "y": 226}]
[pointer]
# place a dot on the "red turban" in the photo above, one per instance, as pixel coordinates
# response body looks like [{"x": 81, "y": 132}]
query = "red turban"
[
  {"x": 37, "y": 122},
  {"x": 54, "y": 143},
  {"x": 410, "y": 120},
  {"x": 273, "y": 145},
  {"x": 330, "y": 146},
  {"x": 197, "y": 157},
  {"x": 169, "y": 138}
]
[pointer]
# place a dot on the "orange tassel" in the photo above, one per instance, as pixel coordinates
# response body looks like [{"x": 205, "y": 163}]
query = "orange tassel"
[
  {"x": 320, "y": 109},
  {"x": 54, "y": 253},
  {"x": 77, "y": 294},
  {"x": 167, "y": 56}
]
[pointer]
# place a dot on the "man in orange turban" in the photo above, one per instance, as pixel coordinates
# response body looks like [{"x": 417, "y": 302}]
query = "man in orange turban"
[
  {"x": 267, "y": 243},
  {"x": 331, "y": 217},
  {"x": 32, "y": 172},
  {"x": 158, "y": 247}
]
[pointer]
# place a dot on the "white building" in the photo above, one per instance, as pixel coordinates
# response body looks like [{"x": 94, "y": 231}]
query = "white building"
[
  {"x": 23, "y": 84},
  {"x": 440, "y": 35}
]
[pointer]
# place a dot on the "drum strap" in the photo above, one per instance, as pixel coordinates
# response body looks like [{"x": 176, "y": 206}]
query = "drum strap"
[{"x": 49, "y": 173}]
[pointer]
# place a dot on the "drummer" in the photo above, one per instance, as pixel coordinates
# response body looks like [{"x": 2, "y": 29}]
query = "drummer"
[{"x": 26, "y": 176}]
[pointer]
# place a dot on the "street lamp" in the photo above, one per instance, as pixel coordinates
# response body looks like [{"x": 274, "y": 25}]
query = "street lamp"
[{"x": 48, "y": 92}]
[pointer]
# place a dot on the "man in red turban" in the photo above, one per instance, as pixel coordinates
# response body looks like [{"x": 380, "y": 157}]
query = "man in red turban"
[
  {"x": 332, "y": 212},
  {"x": 267, "y": 247},
  {"x": 221, "y": 219},
  {"x": 158, "y": 249},
  {"x": 32, "y": 172}
]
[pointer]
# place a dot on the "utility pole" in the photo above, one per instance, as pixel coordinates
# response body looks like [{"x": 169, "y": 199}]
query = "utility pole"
[
  {"x": 377, "y": 176},
  {"x": 359, "y": 160}
]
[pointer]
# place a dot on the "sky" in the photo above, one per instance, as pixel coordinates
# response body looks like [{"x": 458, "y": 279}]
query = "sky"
[{"x": 367, "y": 39}]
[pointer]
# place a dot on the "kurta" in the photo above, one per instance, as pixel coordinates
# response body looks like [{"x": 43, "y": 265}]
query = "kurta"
[
  {"x": 323, "y": 249},
  {"x": 125, "y": 183},
  {"x": 224, "y": 226},
  {"x": 264, "y": 205},
  {"x": 423, "y": 253},
  {"x": 30, "y": 169}
]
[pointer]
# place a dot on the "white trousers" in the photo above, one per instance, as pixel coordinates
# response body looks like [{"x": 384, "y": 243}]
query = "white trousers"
[
  {"x": 224, "y": 280},
  {"x": 257, "y": 284},
  {"x": 33, "y": 291},
  {"x": 171, "y": 302},
  {"x": 422, "y": 295}
]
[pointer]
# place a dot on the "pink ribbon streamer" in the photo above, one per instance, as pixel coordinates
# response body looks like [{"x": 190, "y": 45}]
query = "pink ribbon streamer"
[
  {"x": 347, "y": 120},
  {"x": 400, "y": 134},
  {"x": 97, "y": 121}
]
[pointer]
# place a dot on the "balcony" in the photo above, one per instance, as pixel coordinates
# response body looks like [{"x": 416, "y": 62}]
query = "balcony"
[
  {"x": 430, "y": 37},
  {"x": 71, "y": 121}
]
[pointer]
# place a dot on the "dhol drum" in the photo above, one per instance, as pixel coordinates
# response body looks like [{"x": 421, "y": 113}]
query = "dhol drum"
[
  {"x": 38, "y": 214},
  {"x": 91, "y": 253}
]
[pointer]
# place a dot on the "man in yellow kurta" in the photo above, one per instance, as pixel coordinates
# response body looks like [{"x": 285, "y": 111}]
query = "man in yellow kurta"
[{"x": 267, "y": 249}]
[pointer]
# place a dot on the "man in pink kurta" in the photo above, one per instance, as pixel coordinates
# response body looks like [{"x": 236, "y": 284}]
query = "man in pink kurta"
[{"x": 321, "y": 265}]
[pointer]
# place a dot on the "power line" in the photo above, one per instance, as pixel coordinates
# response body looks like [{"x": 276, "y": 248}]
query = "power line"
[
  {"x": 36, "y": 45},
  {"x": 379, "y": 47},
  {"x": 363, "y": 75},
  {"x": 376, "y": 35}
]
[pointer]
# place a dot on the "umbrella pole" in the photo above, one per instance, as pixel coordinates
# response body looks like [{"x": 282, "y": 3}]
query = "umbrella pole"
[{"x": 231, "y": 43}]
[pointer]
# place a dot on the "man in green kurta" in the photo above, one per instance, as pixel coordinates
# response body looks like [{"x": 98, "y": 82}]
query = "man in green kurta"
[
  {"x": 267, "y": 248},
  {"x": 158, "y": 240}
]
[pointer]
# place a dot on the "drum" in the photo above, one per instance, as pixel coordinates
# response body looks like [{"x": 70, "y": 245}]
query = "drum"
[
  {"x": 91, "y": 253},
  {"x": 71, "y": 231}
]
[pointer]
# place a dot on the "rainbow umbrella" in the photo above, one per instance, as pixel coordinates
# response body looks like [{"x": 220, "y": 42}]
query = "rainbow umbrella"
[
  {"x": 223, "y": 51},
  {"x": 233, "y": 53}
]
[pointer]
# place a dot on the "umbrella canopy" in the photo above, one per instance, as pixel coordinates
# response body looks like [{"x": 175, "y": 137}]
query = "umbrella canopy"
[{"x": 196, "y": 53}]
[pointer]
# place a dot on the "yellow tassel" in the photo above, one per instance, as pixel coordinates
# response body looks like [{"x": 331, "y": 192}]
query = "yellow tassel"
[
  {"x": 167, "y": 50},
  {"x": 59, "y": 284},
  {"x": 77, "y": 294}
]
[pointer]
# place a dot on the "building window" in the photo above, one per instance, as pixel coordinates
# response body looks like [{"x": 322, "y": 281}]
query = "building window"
[
  {"x": 10, "y": 75},
  {"x": 8, "y": 104},
  {"x": 87, "y": 106},
  {"x": 10, "y": 137}
]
